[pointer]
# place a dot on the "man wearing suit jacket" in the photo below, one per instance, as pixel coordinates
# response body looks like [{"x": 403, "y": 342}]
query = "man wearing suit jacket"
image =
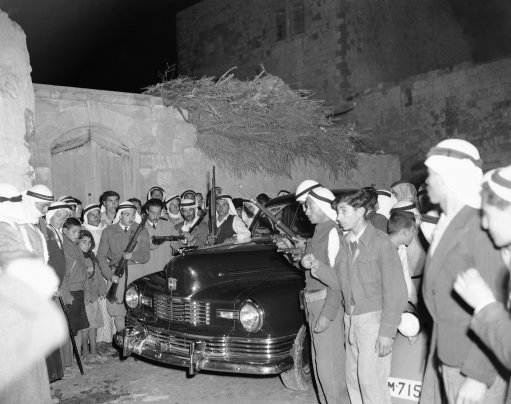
[
  {"x": 469, "y": 373},
  {"x": 114, "y": 241},
  {"x": 491, "y": 321}
]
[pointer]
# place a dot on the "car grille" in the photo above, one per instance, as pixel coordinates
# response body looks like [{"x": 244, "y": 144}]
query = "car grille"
[
  {"x": 257, "y": 349},
  {"x": 177, "y": 309}
]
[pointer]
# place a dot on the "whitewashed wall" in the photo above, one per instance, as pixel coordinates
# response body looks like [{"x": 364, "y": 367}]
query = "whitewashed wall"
[
  {"x": 145, "y": 144},
  {"x": 16, "y": 105}
]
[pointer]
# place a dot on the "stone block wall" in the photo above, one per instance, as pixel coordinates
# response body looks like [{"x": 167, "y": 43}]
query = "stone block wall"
[
  {"x": 467, "y": 101},
  {"x": 158, "y": 146},
  {"x": 16, "y": 105},
  {"x": 337, "y": 49}
]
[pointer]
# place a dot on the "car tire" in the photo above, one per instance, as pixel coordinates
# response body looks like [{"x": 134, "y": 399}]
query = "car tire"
[{"x": 298, "y": 378}]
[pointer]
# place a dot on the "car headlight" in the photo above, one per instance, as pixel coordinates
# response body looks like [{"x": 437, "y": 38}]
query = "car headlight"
[
  {"x": 132, "y": 297},
  {"x": 251, "y": 316}
]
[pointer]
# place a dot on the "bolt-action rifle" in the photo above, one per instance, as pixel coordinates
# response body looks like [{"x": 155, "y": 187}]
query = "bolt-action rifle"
[
  {"x": 122, "y": 266},
  {"x": 290, "y": 234}
]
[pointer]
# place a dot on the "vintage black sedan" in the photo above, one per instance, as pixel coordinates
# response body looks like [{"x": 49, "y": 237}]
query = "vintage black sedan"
[
  {"x": 235, "y": 308},
  {"x": 228, "y": 308}
]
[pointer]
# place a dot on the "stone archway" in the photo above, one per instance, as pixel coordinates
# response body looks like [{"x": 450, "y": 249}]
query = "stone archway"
[{"x": 87, "y": 160}]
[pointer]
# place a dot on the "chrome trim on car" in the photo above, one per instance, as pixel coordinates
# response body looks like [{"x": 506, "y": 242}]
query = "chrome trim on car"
[
  {"x": 177, "y": 309},
  {"x": 198, "y": 352}
]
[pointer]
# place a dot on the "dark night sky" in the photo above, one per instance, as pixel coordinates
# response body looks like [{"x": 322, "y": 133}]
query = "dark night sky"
[
  {"x": 125, "y": 45},
  {"x": 121, "y": 45}
]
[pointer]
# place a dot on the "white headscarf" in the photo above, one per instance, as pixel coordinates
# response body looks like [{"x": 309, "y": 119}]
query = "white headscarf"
[
  {"x": 54, "y": 207},
  {"x": 228, "y": 198},
  {"x": 12, "y": 208},
  {"x": 87, "y": 209},
  {"x": 126, "y": 205},
  {"x": 459, "y": 165},
  {"x": 499, "y": 181},
  {"x": 189, "y": 204},
  {"x": 38, "y": 193},
  {"x": 303, "y": 189},
  {"x": 404, "y": 191},
  {"x": 244, "y": 216},
  {"x": 386, "y": 200},
  {"x": 173, "y": 216},
  {"x": 156, "y": 188},
  {"x": 407, "y": 206},
  {"x": 323, "y": 198}
]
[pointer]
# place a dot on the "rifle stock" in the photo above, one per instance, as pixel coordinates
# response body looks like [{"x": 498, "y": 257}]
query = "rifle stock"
[
  {"x": 121, "y": 266},
  {"x": 278, "y": 223}
]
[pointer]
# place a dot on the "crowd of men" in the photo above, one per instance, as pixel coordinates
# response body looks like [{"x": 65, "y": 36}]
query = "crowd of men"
[
  {"x": 380, "y": 262},
  {"x": 383, "y": 262},
  {"x": 71, "y": 255}
]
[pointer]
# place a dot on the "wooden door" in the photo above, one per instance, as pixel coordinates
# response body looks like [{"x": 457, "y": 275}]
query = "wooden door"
[{"x": 85, "y": 164}]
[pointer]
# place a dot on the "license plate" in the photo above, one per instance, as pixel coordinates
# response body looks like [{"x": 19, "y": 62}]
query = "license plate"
[{"x": 405, "y": 389}]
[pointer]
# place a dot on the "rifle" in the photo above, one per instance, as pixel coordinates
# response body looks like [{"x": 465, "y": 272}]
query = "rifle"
[
  {"x": 71, "y": 336},
  {"x": 212, "y": 205},
  {"x": 157, "y": 240},
  {"x": 278, "y": 223},
  {"x": 122, "y": 265}
]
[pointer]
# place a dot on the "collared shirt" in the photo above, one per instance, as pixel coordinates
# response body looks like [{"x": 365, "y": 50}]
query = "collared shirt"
[
  {"x": 412, "y": 291},
  {"x": 124, "y": 228},
  {"x": 440, "y": 228}
]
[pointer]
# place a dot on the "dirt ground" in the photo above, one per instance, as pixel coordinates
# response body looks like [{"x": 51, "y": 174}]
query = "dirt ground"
[{"x": 138, "y": 381}]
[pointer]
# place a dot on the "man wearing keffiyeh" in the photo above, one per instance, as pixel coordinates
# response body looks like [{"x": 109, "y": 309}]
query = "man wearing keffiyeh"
[
  {"x": 491, "y": 322},
  {"x": 114, "y": 241},
  {"x": 468, "y": 371},
  {"x": 325, "y": 314}
]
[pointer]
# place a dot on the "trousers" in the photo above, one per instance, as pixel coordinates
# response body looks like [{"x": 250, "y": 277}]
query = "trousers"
[
  {"x": 328, "y": 356},
  {"x": 366, "y": 373}
]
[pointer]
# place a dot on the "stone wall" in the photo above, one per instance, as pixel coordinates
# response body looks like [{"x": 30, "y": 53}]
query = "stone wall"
[
  {"x": 16, "y": 105},
  {"x": 158, "y": 146},
  {"x": 335, "y": 48},
  {"x": 467, "y": 101}
]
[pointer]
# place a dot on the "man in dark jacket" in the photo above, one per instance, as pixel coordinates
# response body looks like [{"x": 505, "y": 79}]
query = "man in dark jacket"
[
  {"x": 491, "y": 322},
  {"x": 469, "y": 374}
]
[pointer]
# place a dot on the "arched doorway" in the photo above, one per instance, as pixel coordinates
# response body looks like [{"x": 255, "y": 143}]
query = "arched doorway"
[{"x": 86, "y": 161}]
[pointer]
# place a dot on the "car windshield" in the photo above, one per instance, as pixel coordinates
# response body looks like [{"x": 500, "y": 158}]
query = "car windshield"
[{"x": 289, "y": 213}]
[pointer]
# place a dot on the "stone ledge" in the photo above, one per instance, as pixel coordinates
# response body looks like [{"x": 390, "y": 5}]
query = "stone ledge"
[{"x": 85, "y": 94}]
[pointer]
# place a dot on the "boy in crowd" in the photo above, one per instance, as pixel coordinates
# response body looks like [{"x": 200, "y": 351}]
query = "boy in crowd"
[
  {"x": 73, "y": 285},
  {"x": 109, "y": 202}
]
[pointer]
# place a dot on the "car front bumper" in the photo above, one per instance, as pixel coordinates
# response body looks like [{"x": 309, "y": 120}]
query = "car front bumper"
[{"x": 196, "y": 352}]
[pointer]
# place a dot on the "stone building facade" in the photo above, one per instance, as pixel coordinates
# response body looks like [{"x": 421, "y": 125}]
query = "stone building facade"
[
  {"x": 88, "y": 141},
  {"x": 467, "y": 101},
  {"x": 16, "y": 105},
  {"x": 335, "y": 48}
]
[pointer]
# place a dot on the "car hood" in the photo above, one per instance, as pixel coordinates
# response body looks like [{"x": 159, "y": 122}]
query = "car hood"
[{"x": 224, "y": 272}]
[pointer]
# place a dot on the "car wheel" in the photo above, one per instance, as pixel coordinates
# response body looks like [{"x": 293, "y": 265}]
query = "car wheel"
[{"x": 298, "y": 378}]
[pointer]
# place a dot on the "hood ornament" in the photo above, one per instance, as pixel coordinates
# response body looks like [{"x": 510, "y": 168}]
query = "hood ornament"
[{"x": 172, "y": 283}]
